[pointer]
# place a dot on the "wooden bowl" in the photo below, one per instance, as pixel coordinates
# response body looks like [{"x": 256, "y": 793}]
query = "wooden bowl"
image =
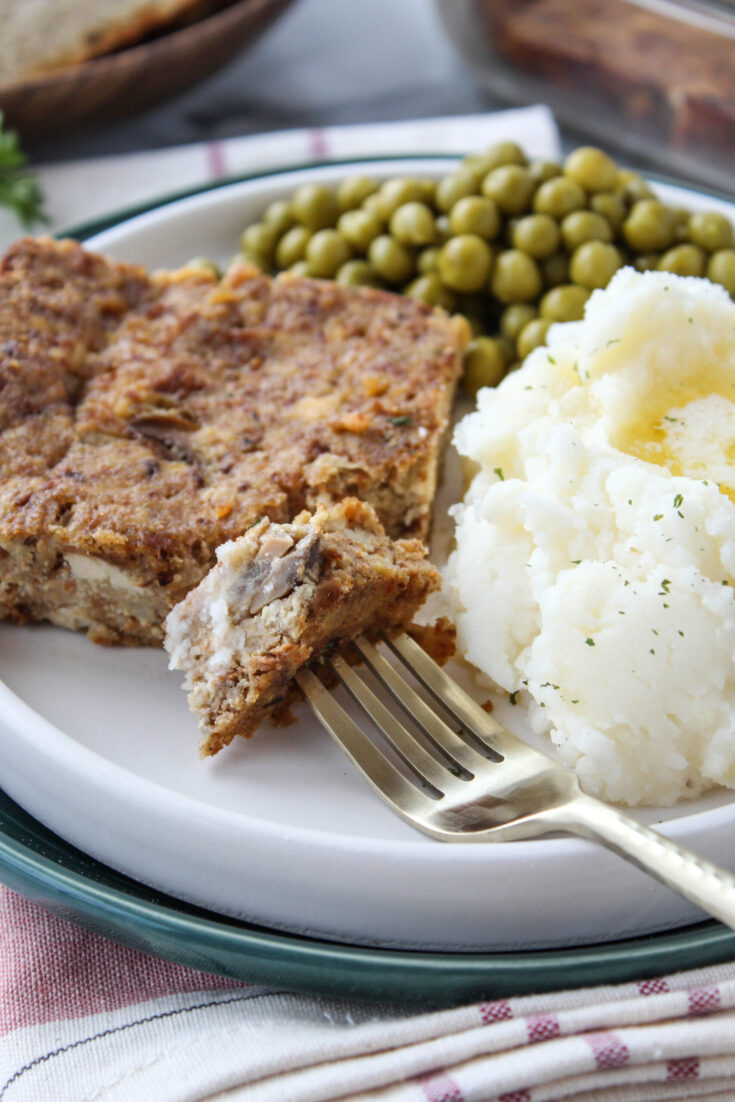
[{"x": 124, "y": 83}]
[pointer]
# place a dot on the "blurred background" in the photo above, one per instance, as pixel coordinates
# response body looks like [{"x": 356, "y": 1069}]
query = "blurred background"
[{"x": 652, "y": 80}]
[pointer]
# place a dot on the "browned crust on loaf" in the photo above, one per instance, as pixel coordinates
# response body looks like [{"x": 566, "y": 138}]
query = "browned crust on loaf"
[
  {"x": 368, "y": 584},
  {"x": 439, "y": 639},
  {"x": 145, "y": 420}
]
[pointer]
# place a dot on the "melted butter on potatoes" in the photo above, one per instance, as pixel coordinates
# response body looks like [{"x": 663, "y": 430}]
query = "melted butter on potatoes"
[{"x": 593, "y": 575}]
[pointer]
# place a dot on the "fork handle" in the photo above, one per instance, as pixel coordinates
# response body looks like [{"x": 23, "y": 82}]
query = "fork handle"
[{"x": 698, "y": 880}]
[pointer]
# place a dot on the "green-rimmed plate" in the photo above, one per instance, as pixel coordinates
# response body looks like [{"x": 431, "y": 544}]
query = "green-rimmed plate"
[
  {"x": 41, "y": 866},
  {"x": 36, "y": 862}
]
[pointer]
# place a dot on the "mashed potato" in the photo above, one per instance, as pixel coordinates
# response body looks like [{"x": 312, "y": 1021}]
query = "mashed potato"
[{"x": 595, "y": 562}]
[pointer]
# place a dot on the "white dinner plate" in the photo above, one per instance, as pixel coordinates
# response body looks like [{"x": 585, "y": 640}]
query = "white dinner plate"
[{"x": 98, "y": 745}]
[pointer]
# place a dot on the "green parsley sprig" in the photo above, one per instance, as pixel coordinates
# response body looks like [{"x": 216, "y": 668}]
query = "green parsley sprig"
[{"x": 20, "y": 191}]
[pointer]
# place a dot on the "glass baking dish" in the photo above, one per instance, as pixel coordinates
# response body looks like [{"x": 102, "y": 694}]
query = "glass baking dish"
[{"x": 651, "y": 78}]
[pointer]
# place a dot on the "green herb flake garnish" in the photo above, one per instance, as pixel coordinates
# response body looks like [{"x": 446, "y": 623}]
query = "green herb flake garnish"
[
  {"x": 590, "y": 642},
  {"x": 678, "y": 501},
  {"x": 405, "y": 419},
  {"x": 499, "y": 472}
]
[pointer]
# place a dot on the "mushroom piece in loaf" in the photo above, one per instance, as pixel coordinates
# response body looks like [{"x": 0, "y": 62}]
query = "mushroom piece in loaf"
[{"x": 278, "y": 597}]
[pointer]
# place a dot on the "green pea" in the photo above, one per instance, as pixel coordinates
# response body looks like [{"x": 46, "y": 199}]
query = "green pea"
[
  {"x": 358, "y": 273},
  {"x": 413, "y": 224},
  {"x": 279, "y": 216},
  {"x": 464, "y": 262},
  {"x": 632, "y": 187},
  {"x": 394, "y": 193},
  {"x": 556, "y": 269},
  {"x": 359, "y": 227},
  {"x": 430, "y": 289},
  {"x": 292, "y": 246},
  {"x": 646, "y": 262},
  {"x": 453, "y": 188},
  {"x": 509, "y": 348},
  {"x": 610, "y": 206},
  {"x": 475, "y": 214},
  {"x": 649, "y": 226},
  {"x": 711, "y": 231},
  {"x": 504, "y": 153},
  {"x": 721, "y": 269},
  {"x": 354, "y": 190},
  {"x": 326, "y": 252},
  {"x": 536, "y": 234},
  {"x": 510, "y": 186},
  {"x": 315, "y": 206},
  {"x": 374, "y": 205},
  {"x": 484, "y": 364},
  {"x": 591, "y": 169},
  {"x": 514, "y": 318},
  {"x": 259, "y": 238},
  {"x": 250, "y": 256},
  {"x": 584, "y": 225},
  {"x": 204, "y": 264},
  {"x": 442, "y": 229},
  {"x": 558, "y": 197},
  {"x": 428, "y": 261},
  {"x": 429, "y": 191},
  {"x": 301, "y": 268},
  {"x": 594, "y": 264},
  {"x": 684, "y": 260},
  {"x": 509, "y": 229},
  {"x": 391, "y": 259},
  {"x": 565, "y": 303},
  {"x": 516, "y": 277},
  {"x": 541, "y": 171},
  {"x": 477, "y": 165},
  {"x": 532, "y": 336}
]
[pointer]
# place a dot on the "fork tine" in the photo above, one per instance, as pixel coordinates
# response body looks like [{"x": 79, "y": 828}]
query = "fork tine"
[
  {"x": 372, "y": 762},
  {"x": 448, "y": 693},
  {"x": 415, "y": 756},
  {"x": 440, "y": 733}
]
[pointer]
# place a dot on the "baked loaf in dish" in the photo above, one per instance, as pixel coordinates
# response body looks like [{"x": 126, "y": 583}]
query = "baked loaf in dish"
[
  {"x": 43, "y": 35},
  {"x": 278, "y": 597},
  {"x": 144, "y": 420}
]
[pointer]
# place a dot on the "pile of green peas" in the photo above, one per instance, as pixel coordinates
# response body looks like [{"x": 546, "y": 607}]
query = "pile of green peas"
[{"x": 514, "y": 245}]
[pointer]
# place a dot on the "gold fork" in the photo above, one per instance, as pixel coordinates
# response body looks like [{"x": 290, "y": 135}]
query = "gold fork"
[{"x": 479, "y": 782}]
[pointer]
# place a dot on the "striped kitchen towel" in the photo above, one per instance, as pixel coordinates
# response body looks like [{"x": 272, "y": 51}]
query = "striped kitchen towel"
[
  {"x": 85, "y": 1020},
  {"x": 79, "y": 191}
]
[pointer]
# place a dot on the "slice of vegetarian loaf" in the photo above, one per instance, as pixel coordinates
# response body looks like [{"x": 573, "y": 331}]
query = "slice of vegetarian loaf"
[
  {"x": 144, "y": 420},
  {"x": 278, "y": 596}
]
